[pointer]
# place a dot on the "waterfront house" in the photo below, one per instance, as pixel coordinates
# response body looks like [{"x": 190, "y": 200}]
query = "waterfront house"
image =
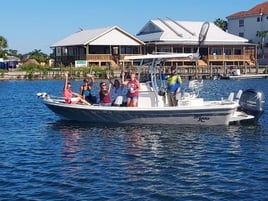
[
  {"x": 10, "y": 62},
  {"x": 247, "y": 23},
  {"x": 220, "y": 49},
  {"x": 102, "y": 47}
]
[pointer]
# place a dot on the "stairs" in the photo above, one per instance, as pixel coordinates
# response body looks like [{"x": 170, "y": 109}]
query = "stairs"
[
  {"x": 250, "y": 63},
  {"x": 202, "y": 63}
]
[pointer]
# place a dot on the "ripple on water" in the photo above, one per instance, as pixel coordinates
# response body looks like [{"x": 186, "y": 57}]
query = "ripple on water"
[{"x": 45, "y": 158}]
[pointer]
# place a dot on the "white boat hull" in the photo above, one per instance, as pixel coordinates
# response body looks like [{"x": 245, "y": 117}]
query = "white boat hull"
[{"x": 212, "y": 113}]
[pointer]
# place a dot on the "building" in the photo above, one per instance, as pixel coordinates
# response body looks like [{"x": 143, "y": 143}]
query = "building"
[
  {"x": 108, "y": 46},
  {"x": 247, "y": 23},
  {"x": 102, "y": 47},
  {"x": 219, "y": 49},
  {"x": 10, "y": 62}
]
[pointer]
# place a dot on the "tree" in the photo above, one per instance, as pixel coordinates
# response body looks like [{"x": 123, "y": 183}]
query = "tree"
[
  {"x": 12, "y": 52},
  {"x": 262, "y": 35},
  {"x": 3, "y": 45},
  {"x": 39, "y": 56},
  {"x": 221, "y": 23}
]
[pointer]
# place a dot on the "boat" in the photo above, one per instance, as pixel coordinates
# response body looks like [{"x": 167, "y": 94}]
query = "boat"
[{"x": 246, "y": 106}]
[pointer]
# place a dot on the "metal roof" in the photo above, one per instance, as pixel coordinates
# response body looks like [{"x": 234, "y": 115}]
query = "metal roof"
[
  {"x": 102, "y": 36},
  {"x": 181, "y": 32}
]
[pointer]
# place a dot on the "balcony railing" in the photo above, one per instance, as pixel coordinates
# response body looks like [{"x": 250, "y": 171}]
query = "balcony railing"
[
  {"x": 228, "y": 57},
  {"x": 106, "y": 57},
  {"x": 99, "y": 57}
]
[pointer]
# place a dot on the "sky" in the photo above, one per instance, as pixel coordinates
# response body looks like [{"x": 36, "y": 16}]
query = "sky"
[{"x": 37, "y": 24}]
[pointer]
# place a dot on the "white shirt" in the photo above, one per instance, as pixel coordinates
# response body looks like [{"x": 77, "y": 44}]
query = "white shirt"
[{"x": 117, "y": 92}]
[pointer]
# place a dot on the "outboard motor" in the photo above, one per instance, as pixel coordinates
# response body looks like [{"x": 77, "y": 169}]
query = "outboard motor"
[{"x": 252, "y": 103}]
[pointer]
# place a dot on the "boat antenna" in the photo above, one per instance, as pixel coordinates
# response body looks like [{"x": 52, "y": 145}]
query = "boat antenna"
[
  {"x": 203, "y": 34},
  {"x": 201, "y": 38}
]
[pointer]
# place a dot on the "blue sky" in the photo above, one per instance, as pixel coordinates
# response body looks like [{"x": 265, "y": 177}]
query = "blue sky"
[{"x": 37, "y": 24}]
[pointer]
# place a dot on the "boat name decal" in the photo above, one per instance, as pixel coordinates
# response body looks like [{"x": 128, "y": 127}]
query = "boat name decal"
[{"x": 201, "y": 118}]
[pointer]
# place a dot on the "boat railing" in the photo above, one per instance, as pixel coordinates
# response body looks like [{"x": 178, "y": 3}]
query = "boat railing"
[
  {"x": 193, "y": 90},
  {"x": 45, "y": 96}
]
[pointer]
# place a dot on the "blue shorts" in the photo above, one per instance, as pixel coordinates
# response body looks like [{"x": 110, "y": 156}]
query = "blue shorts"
[{"x": 133, "y": 97}]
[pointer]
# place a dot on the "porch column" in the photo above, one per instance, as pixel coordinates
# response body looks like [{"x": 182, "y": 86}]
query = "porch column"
[{"x": 87, "y": 50}]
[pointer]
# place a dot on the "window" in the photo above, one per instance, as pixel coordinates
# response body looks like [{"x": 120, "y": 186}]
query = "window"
[
  {"x": 188, "y": 50},
  {"x": 228, "y": 51},
  {"x": 163, "y": 49},
  {"x": 238, "y": 51},
  {"x": 241, "y": 23},
  {"x": 241, "y": 34},
  {"x": 65, "y": 51},
  {"x": 129, "y": 50},
  {"x": 215, "y": 51},
  {"x": 177, "y": 49}
]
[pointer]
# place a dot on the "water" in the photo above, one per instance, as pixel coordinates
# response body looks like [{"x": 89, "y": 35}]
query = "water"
[{"x": 45, "y": 158}]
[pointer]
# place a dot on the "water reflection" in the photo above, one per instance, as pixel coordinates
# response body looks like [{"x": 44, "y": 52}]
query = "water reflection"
[
  {"x": 71, "y": 146},
  {"x": 148, "y": 158},
  {"x": 138, "y": 141}
]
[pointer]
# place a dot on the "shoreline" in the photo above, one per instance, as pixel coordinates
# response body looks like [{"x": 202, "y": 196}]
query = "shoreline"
[
  {"x": 51, "y": 75},
  {"x": 59, "y": 75}
]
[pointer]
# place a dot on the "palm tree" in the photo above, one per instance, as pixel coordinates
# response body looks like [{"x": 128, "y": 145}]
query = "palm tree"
[
  {"x": 3, "y": 45},
  {"x": 221, "y": 23},
  {"x": 39, "y": 56},
  {"x": 262, "y": 35}
]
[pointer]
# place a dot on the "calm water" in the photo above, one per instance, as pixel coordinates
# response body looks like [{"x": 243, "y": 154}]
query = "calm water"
[{"x": 45, "y": 158}]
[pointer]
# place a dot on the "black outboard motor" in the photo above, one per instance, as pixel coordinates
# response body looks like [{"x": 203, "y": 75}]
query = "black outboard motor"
[{"x": 252, "y": 103}]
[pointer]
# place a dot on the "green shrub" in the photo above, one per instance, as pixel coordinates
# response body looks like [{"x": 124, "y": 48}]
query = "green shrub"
[
  {"x": 30, "y": 75},
  {"x": 2, "y": 72}
]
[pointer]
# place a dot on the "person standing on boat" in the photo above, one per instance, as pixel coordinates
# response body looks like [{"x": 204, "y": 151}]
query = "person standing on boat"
[
  {"x": 173, "y": 86},
  {"x": 105, "y": 96},
  {"x": 86, "y": 88},
  {"x": 133, "y": 86},
  {"x": 70, "y": 96}
]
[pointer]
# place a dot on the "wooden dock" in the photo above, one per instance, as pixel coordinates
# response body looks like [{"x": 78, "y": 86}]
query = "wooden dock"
[{"x": 248, "y": 76}]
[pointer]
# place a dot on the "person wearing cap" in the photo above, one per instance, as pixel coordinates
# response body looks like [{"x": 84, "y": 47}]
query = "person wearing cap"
[{"x": 173, "y": 86}]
